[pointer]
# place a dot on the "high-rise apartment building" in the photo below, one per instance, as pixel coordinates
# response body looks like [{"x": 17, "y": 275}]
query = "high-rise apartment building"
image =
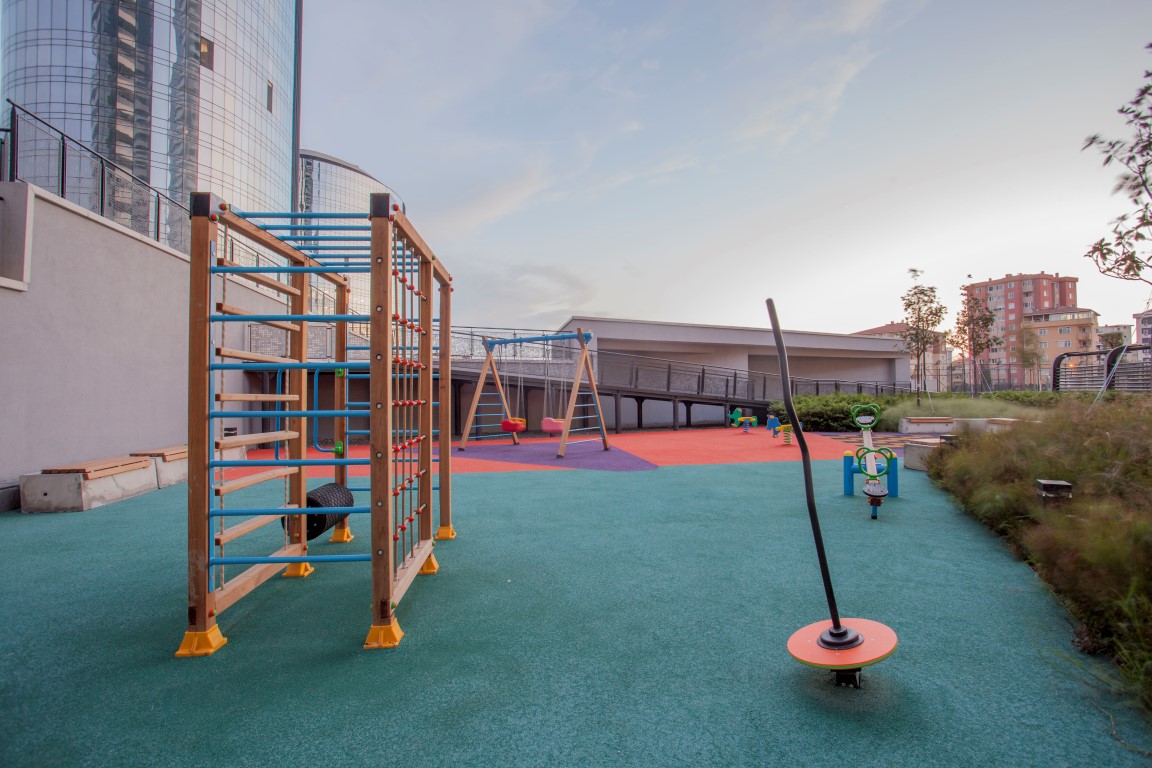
[
  {"x": 1037, "y": 318},
  {"x": 186, "y": 95}
]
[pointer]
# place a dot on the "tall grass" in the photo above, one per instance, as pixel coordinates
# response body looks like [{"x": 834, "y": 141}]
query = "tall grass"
[
  {"x": 1094, "y": 550},
  {"x": 957, "y": 408}
]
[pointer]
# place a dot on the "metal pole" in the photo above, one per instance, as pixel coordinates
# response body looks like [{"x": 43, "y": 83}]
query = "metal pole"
[{"x": 837, "y": 636}]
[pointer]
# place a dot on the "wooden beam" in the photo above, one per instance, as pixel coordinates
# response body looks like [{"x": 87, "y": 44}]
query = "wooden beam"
[
  {"x": 257, "y": 277},
  {"x": 253, "y": 577},
  {"x": 256, "y": 397},
  {"x": 233, "y": 532},
  {"x": 228, "y": 309},
  {"x": 260, "y": 477},
  {"x": 254, "y": 438},
  {"x": 256, "y": 357}
]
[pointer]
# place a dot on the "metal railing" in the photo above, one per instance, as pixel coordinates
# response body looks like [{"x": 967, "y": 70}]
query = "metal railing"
[
  {"x": 41, "y": 154},
  {"x": 635, "y": 373},
  {"x": 1117, "y": 369}
]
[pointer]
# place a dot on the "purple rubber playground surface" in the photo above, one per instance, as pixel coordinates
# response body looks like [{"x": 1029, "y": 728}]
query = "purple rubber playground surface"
[{"x": 589, "y": 455}]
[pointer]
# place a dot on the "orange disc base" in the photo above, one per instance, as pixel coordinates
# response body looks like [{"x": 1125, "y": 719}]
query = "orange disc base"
[{"x": 879, "y": 643}]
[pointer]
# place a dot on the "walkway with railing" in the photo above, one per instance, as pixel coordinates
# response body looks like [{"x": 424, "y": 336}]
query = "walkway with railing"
[{"x": 530, "y": 367}]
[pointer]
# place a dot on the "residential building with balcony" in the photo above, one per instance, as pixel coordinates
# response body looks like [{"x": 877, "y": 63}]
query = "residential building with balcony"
[{"x": 1023, "y": 301}]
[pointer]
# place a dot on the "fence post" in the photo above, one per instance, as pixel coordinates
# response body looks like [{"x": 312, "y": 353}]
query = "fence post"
[
  {"x": 63, "y": 166},
  {"x": 13, "y": 152},
  {"x": 103, "y": 177}
]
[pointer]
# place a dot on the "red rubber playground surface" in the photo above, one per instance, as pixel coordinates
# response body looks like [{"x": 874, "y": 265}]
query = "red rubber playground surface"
[{"x": 630, "y": 451}]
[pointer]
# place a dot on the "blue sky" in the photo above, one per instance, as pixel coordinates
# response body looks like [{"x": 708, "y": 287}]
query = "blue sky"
[{"x": 681, "y": 162}]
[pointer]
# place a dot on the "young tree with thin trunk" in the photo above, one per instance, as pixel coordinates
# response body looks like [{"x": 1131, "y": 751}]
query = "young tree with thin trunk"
[
  {"x": 1030, "y": 354},
  {"x": 923, "y": 313},
  {"x": 973, "y": 332}
]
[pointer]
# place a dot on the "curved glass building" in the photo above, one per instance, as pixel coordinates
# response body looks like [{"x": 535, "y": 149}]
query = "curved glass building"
[
  {"x": 331, "y": 185},
  {"x": 185, "y": 95}
]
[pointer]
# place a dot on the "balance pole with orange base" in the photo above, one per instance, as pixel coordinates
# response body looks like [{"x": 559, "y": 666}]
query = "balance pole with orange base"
[{"x": 845, "y": 648}]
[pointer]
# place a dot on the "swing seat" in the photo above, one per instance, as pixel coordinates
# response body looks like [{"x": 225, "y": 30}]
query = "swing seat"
[
  {"x": 551, "y": 426},
  {"x": 513, "y": 425}
]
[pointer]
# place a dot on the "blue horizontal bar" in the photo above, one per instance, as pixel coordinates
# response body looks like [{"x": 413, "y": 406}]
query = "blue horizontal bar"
[
  {"x": 362, "y": 365},
  {"x": 305, "y": 239},
  {"x": 258, "y": 270},
  {"x": 319, "y": 227},
  {"x": 293, "y": 463},
  {"x": 305, "y": 215},
  {"x": 304, "y": 559},
  {"x": 282, "y": 511},
  {"x": 285, "y": 414},
  {"x": 289, "y": 318}
]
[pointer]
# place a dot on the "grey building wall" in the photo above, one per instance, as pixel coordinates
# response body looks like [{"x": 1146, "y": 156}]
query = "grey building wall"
[{"x": 93, "y": 335}]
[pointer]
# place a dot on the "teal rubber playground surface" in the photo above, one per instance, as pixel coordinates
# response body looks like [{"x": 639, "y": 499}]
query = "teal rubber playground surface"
[{"x": 580, "y": 618}]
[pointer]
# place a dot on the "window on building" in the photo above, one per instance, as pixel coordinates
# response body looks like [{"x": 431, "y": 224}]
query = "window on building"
[
  {"x": 1041, "y": 331},
  {"x": 1065, "y": 329},
  {"x": 1064, "y": 344},
  {"x": 1043, "y": 345},
  {"x": 1012, "y": 284},
  {"x": 1027, "y": 304},
  {"x": 207, "y": 53},
  {"x": 269, "y": 95}
]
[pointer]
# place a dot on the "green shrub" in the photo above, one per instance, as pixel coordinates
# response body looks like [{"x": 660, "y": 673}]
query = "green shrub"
[{"x": 833, "y": 413}]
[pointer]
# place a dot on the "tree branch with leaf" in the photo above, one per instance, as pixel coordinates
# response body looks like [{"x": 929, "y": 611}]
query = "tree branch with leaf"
[{"x": 1126, "y": 254}]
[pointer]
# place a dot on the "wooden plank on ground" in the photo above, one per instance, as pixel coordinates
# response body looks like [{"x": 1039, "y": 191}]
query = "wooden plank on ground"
[
  {"x": 171, "y": 453},
  {"x": 101, "y": 467}
]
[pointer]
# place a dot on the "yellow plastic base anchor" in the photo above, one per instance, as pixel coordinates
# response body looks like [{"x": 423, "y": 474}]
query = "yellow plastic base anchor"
[
  {"x": 298, "y": 570},
  {"x": 341, "y": 536},
  {"x": 430, "y": 565},
  {"x": 384, "y": 636},
  {"x": 446, "y": 532},
  {"x": 202, "y": 643}
]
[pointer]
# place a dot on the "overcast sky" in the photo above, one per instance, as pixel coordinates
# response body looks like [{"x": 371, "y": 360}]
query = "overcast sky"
[{"x": 683, "y": 161}]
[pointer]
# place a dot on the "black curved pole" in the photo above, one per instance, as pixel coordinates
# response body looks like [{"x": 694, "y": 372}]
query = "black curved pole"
[{"x": 837, "y": 636}]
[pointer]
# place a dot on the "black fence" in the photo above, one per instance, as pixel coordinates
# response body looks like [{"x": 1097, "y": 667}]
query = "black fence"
[
  {"x": 40, "y": 154},
  {"x": 1123, "y": 369}
]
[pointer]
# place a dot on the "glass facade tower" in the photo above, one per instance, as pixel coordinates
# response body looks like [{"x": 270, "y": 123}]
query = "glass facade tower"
[
  {"x": 185, "y": 95},
  {"x": 330, "y": 185}
]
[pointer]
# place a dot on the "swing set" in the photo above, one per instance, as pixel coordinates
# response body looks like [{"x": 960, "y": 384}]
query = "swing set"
[{"x": 576, "y": 416}]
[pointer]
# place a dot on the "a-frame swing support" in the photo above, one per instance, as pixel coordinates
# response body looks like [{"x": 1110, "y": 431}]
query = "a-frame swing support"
[
  {"x": 489, "y": 366},
  {"x": 582, "y": 368}
]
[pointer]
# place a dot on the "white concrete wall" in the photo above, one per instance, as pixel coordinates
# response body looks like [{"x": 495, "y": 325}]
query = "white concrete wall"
[{"x": 93, "y": 336}]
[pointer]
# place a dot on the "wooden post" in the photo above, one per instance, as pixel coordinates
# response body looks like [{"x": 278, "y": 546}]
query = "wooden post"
[
  {"x": 444, "y": 413},
  {"x": 385, "y": 631},
  {"x": 426, "y": 395},
  {"x": 203, "y": 635},
  {"x": 298, "y": 445},
  {"x": 342, "y": 533}
]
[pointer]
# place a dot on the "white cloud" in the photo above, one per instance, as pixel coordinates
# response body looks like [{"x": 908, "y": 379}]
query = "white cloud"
[
  {"x": 808, "y": 104},
  {"x": 498, "y": 199},
  {"x": 659, "y": 170}
]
